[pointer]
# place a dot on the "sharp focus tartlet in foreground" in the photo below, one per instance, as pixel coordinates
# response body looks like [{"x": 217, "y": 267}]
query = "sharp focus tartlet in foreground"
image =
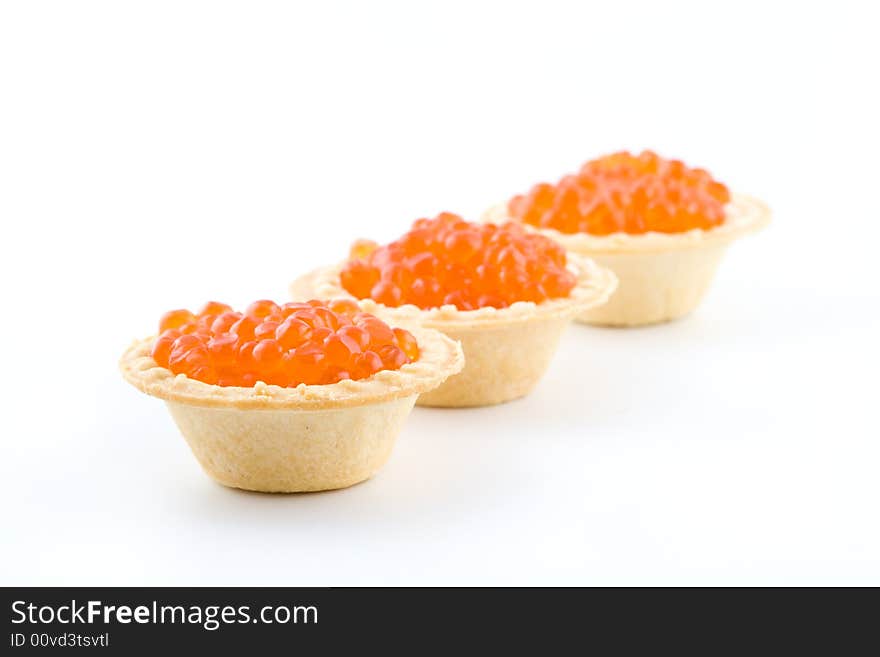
[
  {"x": 505, "y": 293},
  {"x": 288, "y": 398},
  {"x": 661, "y": 226}
]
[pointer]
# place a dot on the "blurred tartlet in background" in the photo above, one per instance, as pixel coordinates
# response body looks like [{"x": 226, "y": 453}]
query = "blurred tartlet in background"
[
  {"x": 505, "y": 293},
  {"x": 659, "y": 225}
]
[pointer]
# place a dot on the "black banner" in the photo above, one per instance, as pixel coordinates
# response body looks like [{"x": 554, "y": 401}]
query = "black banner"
[{"x": 546, "y": 621}]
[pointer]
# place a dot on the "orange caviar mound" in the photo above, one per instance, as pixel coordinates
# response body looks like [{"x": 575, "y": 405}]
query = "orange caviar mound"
[
  {"x": 447, "y": 260},
  {"x": 313, "y": 343},
  {"x": 626, "y": 193}
]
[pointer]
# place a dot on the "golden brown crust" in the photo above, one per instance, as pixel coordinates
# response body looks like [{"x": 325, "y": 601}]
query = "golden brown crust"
[
  {"x": 504, "y": 362},
  {"x": 743, "y": 215},
  {"x": 656, "y": 286},
  {"x": 594, "y": 286},
  {"x": 292, "y": 450},
  {"x": 440, "y": 358}
]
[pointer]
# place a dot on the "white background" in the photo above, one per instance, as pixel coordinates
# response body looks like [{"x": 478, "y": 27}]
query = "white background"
[{"x": 158, "y": 154}]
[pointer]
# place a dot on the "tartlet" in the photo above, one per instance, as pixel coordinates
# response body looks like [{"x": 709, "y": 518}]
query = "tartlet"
[
  {"x": 273, "y": 438},
  {"x": 507, "y": 349},
  {"x": 663, "y": 273}
]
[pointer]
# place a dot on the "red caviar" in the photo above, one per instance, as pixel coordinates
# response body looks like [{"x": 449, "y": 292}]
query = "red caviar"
[
  {"x": 313, "y": 343},
  {"x": 626, "y": 193},
  {"x": 447, "y": 260}
]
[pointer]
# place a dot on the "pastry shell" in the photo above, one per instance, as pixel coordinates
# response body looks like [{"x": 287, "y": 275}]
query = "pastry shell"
[
  {"x": 507, "y": 350},
  {"x": 662, "y": 276},
  {"x": 312, "y": 437}
]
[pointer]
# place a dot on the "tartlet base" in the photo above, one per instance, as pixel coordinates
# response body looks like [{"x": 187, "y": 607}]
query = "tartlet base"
[
  {"x": 287, "y": 451},
  {"x": 503, "y": 363},
  {"x": 655, "y": 287}
]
